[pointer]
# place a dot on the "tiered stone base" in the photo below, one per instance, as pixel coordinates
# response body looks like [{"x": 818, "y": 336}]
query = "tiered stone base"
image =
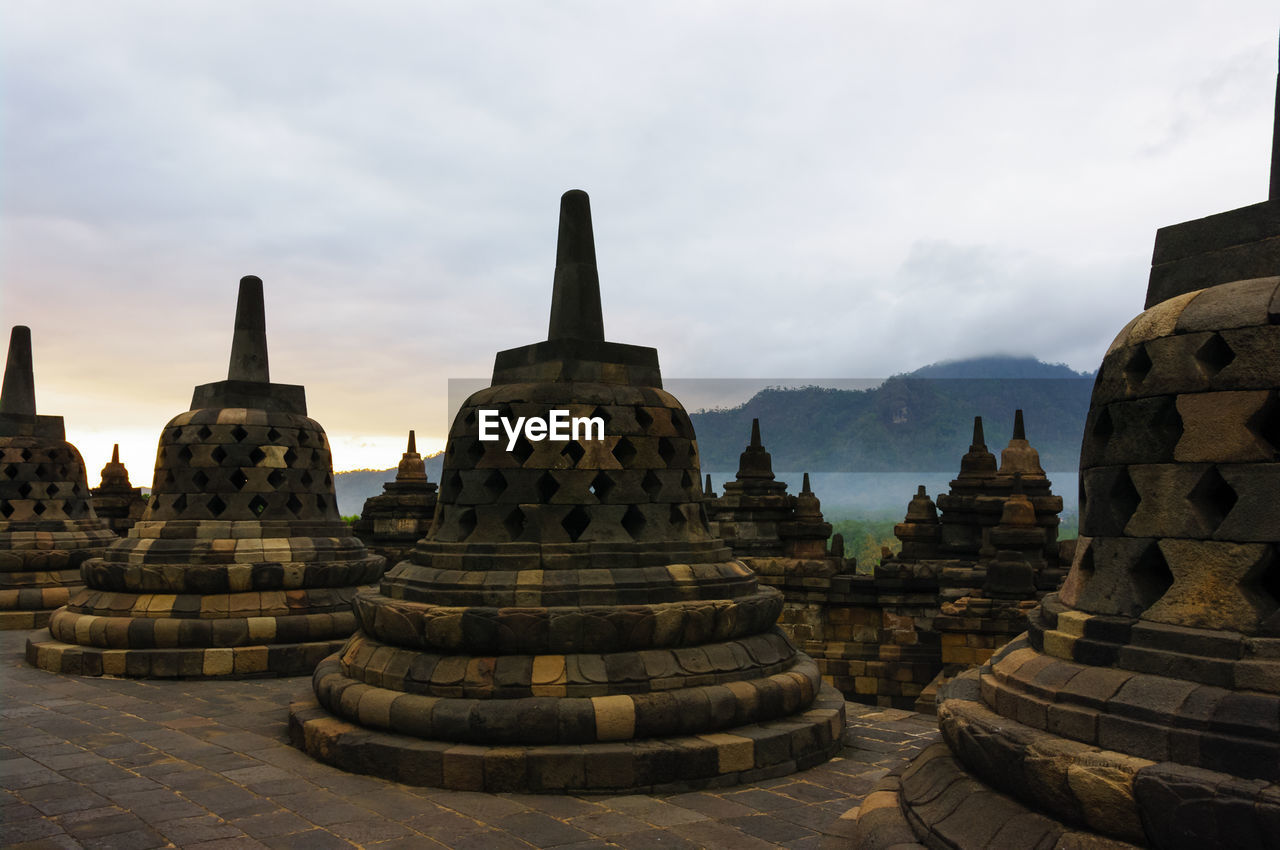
[
  {"x": 40, "y": 569},
  {"x": 293, "y": 659},
  {"x": 746, "y": 753}
]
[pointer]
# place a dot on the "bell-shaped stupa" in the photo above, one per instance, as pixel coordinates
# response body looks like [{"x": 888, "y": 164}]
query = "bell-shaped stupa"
[
  {"x": 118, "y": 503},
  {"x": 397, "y": 518},
  {"x": 570, "y": 624},
  {"x": 1142, "y": 705},
  {"x": 47, "y": 524},
  {"x": 240, "y": 564}
]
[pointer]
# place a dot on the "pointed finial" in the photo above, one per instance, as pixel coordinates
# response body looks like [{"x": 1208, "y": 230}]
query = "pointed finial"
[
  {"x": 979, "y": 441},
  {"x": 249, "y": 341},
  {"x": 1274, "y": 194},
  {"x": 115, "y": 453},
  {"x": 920, "y": 491},
  {"x": 575, "y": 295},
  {"x": 1019, "y": 432},
  {"x": 755, "y": 433},
  {"x": 805, "y": 487},
  {"x": 708, "y": 490},
  {"x": 413, "y": 445},
  {"x": 18, "y": 395}
]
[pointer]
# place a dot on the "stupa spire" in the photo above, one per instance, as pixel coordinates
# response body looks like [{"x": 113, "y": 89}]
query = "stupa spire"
[
  {"x": 1274, "y": 194},
  {"x": 413, "y": 444},
  {"x": 1019, "y": 430},
  {"x": 249, "y": 342},
  {"x": 979, "y": 441},
  {"x": 19, "y": 393},
  {"x": 755, "y": 434},
  {"x": 575, "y": 296}
]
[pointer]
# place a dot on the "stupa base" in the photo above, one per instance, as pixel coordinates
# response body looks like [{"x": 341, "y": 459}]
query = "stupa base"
[
  {"x": 31, "y": 607},
  {"x": 285, "y": 659},
  {"x": 747, "y": 753},
  {"x": 935, "y": 803}
]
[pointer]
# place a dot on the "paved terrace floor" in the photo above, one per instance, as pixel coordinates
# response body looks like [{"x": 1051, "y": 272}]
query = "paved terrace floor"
[{"x": 121, "y": 763}]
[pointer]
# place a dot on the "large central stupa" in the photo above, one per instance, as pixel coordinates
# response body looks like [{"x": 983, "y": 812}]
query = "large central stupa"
[{"x": 570, "y": 623}]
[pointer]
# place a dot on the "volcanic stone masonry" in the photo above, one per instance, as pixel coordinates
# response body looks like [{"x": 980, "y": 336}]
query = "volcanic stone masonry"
[
  {"x": 393, "y": 521},
  {"x": 570, "y": 624},
  {"x": 47, "y": 523},
  {"x": 116, "y": 500},
  {"x": 240, "y": 564},
  {"x": 1143, "y": 703}
]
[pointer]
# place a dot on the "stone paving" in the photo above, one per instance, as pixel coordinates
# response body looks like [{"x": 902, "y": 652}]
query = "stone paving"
[{"x": 116, "y": 763}]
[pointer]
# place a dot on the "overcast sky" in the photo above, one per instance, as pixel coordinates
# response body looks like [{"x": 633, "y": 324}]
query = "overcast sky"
[{"x": 780, "y": 190}]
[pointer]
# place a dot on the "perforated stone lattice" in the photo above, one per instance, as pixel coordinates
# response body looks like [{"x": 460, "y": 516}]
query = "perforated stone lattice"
[{"x": 270, "y": 466}]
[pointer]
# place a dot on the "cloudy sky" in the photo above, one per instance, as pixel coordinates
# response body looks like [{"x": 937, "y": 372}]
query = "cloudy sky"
[{"x": 780, "y": 190}]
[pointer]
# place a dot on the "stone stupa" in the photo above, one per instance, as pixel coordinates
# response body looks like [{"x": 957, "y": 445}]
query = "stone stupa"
[
  {"x": 118, "y": 503},
  {"x": 1142, "y": 705},
  {"x": 570, "y": 624},
  {"x": 240, "y": 564},
  {"x": 47, "y": 524},
  {"x": 397, "y": 518}
]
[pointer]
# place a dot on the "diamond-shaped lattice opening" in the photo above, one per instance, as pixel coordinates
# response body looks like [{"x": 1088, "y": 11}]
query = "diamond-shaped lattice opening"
[
  {"x": 1103, "y": 427},
  {"x": 1087, "y": 565},
  {"x": 204, "y": 433},
  {"x": 643, "y": 418},
  {"x": 547, "y": 486},
  {"x": 625, "y": 452},
  {"x": 200, "y": 479},
  {"x": 51, "y": 490},
  {"x": 495, "y": 484},
  {"x": 328, "y": 481},
  {"x": 306, "y": 478},
  {"x": 322, "y": 503},
  {"x": 1138, "y": 365},
  {"x": 6, "y": 509},
  {"x": 475, "y": 451},
  {"x": 1212, "y": 498},
  {"x": 469, "y": 419},
  {"x": 153, "y": 502},
  {"x": 514, "y": 524},
  {"x": 24, "y": 489},
  {"x": 1265, "y": 423},
  {"x": 11, "y": 471},
  {"x": 238, "y": 434},
  {"x": 64, "y": 473},
  {"x": 290, "y": 457},
  {"x": 293, "y": 503},
  {"x": 1215, "y": 355},
  {"x": 273, "y": 435},
  {"x": 602, "y": 413},
  {"x": 42, "y": 471},
  {"x": 680, "y": 421},
  {"x": 601, "y": 485},
  {"x": 239, "y": 479},
  {"x": 666, "y": 450},
  {"x": 257, "y": 456},
  {"x": 651, "y": 484},
  {"x": 258, "y": 505},
  {"x": 75, "y": 490},
  {"x": 574, "y": 451},
  {"x": 677, "y": 517},
  {"x": 1151, "y": 576},
  {"x": 303, "y": 437},
  {"x": 219, "y": 454},
  {"x": 38, "y": 508},
  {"x": 450, "y": 487},
  {"x": 1166, "y": 423},
  {"x": 1123, "y": 498},
  {"x": 575, "y": 522},
  {"x": 522, "y": 450},
  {"x": 26, "y": 455},
  {"x": 184, "y": 454},
  {"x": 169, "y": 478},
  {"x": 176, "y": 434},
  {"x": 1269, "y": 578},
  {"x": 276, "y": 478},
  {"x": 180, "y": 503},
  {"x": 466, "y": 523},
  {"x": 686, "y": 480},
  {"x": 216, "y": 506},
  {"x": 633, "y": 521}
]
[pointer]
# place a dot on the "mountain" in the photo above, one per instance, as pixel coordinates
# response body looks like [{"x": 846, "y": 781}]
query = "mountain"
[
  {"x": 353, "y": 487},
  {"x": 919, "y": 421}
]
